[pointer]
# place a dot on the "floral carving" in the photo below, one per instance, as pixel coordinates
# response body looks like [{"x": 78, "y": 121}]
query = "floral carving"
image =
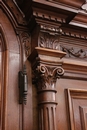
[
  {"x": 46, "y": 76},
  {"x": 47, "y": 40},
  {"x": 72, "y": 52},
  {"x": 26, "y": 39}
]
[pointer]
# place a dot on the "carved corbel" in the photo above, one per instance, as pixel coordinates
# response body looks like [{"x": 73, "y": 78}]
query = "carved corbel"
[
  {"x": 45, "y": 36},
  {"x": 46, "y": 68}
]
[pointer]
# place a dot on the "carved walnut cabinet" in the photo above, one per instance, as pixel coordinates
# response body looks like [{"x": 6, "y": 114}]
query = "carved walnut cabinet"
[{"x": 43, "y": 65}]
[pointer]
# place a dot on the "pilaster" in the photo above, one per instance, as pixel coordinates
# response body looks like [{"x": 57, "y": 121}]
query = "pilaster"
[{"x": 46, "y": 68}]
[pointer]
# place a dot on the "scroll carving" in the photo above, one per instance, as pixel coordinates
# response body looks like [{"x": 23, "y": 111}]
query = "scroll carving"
[
  {"x": 46, "y": 77},
  {"x": 25, "y": 40},
  {"x": 72, "y": 52},
  {"x": 46, "y": 66},
  {"x": 45, "y": 80},
  {"x": 47, "y": 40}
]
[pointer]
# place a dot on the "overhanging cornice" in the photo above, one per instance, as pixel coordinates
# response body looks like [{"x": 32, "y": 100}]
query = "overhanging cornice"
[{"x": 63, "y": 13}]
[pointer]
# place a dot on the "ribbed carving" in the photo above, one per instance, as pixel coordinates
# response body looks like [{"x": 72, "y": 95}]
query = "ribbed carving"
[
  {"x": 47, "y": 117},
  {"x": 45, "y": 73}
]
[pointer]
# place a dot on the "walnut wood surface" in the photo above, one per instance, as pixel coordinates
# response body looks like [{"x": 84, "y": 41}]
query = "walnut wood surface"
[{"x": 43, "y": 31}]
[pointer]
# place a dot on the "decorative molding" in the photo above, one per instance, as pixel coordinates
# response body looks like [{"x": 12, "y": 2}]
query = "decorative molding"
[
  {"x": 83, "y": 113},
  {"x": 47, "y": 40},
  {"x": 16, "y": 11},
  {"x": 46, "y": 69},
  {"x": 25, "y": 39},
  {"x": 46, "y": 76},
  {"x": 71, "y": 5},
  {"x": 73, "y": 52},
  {"x": 2, "y": 42},
  {"x": 50, "y": 17},
  {"x": 75, "y": 75},
  {"x": 46, "y": 37},
  {"x": 77, "y": 108},
  {"x": 52, "y": 30},
  {"x": 75, "y": 35}
]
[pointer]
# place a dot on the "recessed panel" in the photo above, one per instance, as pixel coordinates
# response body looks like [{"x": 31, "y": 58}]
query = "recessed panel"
[{"x": 77, "y": 106}]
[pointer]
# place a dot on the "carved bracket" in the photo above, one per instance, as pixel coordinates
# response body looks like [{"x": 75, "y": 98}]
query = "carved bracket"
[
  {"x": 46, "y": 37},
  {"x": 47, "y": 40}
]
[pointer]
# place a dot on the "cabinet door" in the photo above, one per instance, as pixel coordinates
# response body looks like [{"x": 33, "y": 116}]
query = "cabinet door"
[{"x": 72, "y": 104}]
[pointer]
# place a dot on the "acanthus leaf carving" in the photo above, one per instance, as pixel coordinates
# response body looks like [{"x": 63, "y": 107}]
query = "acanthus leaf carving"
[
  {"x": 47, "y": 40},
  {"x": 46, "y": 76},
  {"x": 25, "y": 40}
]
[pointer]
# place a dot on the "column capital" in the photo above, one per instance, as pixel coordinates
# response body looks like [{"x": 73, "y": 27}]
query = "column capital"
[{"x": 46, "y": 66}]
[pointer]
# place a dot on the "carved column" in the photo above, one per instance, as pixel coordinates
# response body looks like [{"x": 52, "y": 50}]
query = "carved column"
[{"x": 47, "y": 68}]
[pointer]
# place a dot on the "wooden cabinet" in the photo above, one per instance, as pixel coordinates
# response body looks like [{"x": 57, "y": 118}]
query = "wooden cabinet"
[
  {"x": 50, "y": 38},
  {"x": 71, "y": 109}
]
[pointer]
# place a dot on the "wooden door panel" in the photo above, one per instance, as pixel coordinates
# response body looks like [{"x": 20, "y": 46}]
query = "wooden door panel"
[
  {"x": 77, "y": 104},
  {"x": 83, "y": 112},
  {"x": 72, "y": 102}
]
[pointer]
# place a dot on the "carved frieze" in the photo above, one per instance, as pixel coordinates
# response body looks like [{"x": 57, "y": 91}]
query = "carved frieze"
[
  {"x": 73, "y": 34},
  {"x": 74, "y": 52}
]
